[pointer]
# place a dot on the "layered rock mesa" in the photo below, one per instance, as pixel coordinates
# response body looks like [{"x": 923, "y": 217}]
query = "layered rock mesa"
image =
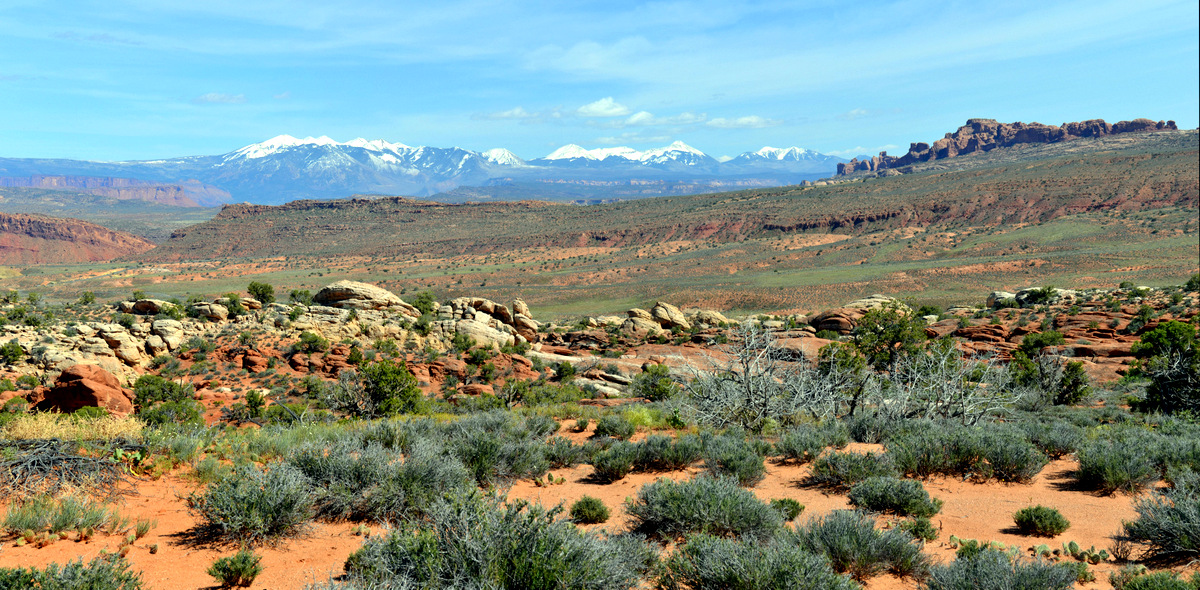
[
  {"x": 189, "y": 193},
  {"x": 981, "y": 135},
  {"x": 36, "y": 239}
]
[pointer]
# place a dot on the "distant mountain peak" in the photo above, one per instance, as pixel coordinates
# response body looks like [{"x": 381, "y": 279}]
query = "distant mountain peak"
[
  {"x": 572, "y": 151},
  {"x": 502, "y": 157},
  {"x": 285, "y": 142},
  {"x": 793, "y": 153}
]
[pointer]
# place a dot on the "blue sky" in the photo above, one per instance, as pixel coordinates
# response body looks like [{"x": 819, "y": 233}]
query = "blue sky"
[{"x": 144, "y": 79}]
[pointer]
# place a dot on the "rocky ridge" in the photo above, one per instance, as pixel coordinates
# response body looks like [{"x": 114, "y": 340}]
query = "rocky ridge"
[
  {"x": 981, "y": 135},
  {"x": 37, "y": 239}
]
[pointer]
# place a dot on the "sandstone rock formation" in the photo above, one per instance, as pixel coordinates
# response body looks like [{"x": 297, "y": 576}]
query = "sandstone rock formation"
[
  {"x": 843, "y": 319},
  {"x": 82, "y": 386},
  {"x": 37, "y": 239},
  {"x": 188, "y": 193},
  {"x": 981, "y": 135},
  {"x": 356, "y": 295}
]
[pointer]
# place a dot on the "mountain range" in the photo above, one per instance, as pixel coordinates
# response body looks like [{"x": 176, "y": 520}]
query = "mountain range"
[{"x": 285, "y": 168}]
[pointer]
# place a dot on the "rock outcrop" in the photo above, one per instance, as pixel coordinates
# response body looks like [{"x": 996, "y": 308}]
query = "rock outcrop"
[
  {"x": 37, "y": 239},
  {"x": 844, "y": 319},
  {"x": 82, "y": 386},
  {"x": 356, "y": 295},
  {"x": 981, "y": 135}
]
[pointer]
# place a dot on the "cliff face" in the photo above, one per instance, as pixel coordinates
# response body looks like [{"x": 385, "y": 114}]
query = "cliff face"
[
  {"x": 981, "y": 135},
  {"x": 34, "y": 239},
  {"x": 190, "y": 193}
]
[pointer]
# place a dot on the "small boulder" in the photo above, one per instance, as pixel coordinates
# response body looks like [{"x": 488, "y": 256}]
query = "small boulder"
[
  {"x": 149, "y": 306},
  {"x": 669, "y": 316},
  {"x": 81, "y": 386},
  {"x": 211, "y": 311}
]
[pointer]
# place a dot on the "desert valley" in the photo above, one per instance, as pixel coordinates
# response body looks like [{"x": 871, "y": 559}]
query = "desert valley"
[{"x": 971, "y": 366}]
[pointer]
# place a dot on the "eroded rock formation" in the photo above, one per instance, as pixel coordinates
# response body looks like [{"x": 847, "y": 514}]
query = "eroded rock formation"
[{"x": 981, "y": 135}]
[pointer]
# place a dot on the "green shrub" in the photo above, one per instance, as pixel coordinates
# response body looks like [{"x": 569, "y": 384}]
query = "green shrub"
[
  {"x": 239, "y": 570},
  {"x": 615, "y": 426},
  {"x": 904, "y": 497},
  {"x": 1055, "y": 439},
  {"x": 789, "y": 508},
  {"x": 55, "y": 515},
  {"x": 991, "y": 569},
  {"x": 654, "y": 383},
  {"x": 106, "y": 572},
  {"x": 1170, "y": 357},
  {"x": 310, "y": 342},
  {"x": 1125, "y": 579},
  {"x": 152, "y": 389},
  {"x": 497, "y": 458},
  {"x": 11, "y": 352},
  {"x": 1124, "y": 461},
  {"x": 706, "y": 562},
  {"x": 920, "y": 528},
  {"x": 854, "y": 546},
  {"x": 1040, "y": 521},
  {"x": 666, "y": 508},
  {"x": 615, "y": 462},
  {"x": 589, "y": 510},
  {"x": 664, "y": 453},
  {"x": 1168, "y": 522},
  {"x": 561, "y": 452},
  {"x": 984, "y": 452},
  {"x": 254, "y": 506},
  {"x": 478, "y": 542},
  {"x": 1032, "y": 344},
  {"x": 803, "y": 443},
  {"x": 263, "y": 292},
  {"x": 173, "y": 412},
  {"x": 730, "y": 456},
  {"x": 393, "y": 388},
  {"x": 842, "y": 470}
]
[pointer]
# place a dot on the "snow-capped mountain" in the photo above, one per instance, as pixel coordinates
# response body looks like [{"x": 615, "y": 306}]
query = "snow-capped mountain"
[
  {"x": 285, "y": 168},
  {"x": 791, "y": 159},
  {"x": 677, "y": 152}
]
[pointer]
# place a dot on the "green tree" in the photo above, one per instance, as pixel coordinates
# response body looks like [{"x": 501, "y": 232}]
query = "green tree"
[
  {"x": 11, "y": 352},
  {"x": 886, "y": 334},
  {"x": 262, "y": 292},
  {"x": 424, "y": 302},
  {"x": 301, "y": 296},
  {"x": 1170, "y": 357}
]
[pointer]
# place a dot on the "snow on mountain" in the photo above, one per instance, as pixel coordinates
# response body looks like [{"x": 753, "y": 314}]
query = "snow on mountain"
[
  {"x": 674, "y": 152},
  {"x": 791, "y": 153},
  {"x": 284, "y": 167},
  {"x": 282, "y": 143},
  {"x": 575, "y": 152},
  {"x": 502, "y": 157}
]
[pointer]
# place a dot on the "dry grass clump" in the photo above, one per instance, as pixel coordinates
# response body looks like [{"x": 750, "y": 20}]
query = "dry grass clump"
[{"x": 47, "y": 425}]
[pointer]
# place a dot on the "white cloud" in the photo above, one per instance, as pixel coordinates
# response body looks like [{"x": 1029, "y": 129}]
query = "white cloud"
[
  {"x": 219, "y": 98},
  {"x": 283, "y": 95},
  {"x": 853, "y": 114},
  {"x": 605, "y": 107},
  {"x": 747, "y": 122},
  {"x": 513, "y": 113},
  {"x": 646, "y": 119},
  {"x": 633, "y": 137}
]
